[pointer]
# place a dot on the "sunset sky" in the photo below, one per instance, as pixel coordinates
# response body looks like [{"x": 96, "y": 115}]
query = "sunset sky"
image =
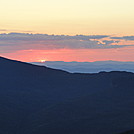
[{"x": 112, "y": 20}]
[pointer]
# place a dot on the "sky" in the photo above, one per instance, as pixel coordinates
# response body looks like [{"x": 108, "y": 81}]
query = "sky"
[{"x": 113, "y": 19}]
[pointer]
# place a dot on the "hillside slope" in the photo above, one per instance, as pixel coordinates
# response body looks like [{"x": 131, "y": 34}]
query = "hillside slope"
[{"x": 40, "y": 100}]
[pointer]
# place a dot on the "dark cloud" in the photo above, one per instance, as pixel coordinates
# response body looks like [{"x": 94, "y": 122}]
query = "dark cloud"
[
  {"x": 128, "y": 37},
  {"x": 124, "y": 37},
  {"x": 27, "y": 36},
  {"x": 25, "y": 41}
]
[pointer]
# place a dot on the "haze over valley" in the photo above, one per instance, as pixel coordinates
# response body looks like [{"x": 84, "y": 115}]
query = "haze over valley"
[{"x": 88, "y": 67}]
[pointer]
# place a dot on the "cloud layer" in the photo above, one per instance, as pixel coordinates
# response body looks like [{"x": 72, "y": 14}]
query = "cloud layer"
[
  {"x": 124, "y": 37},
  {"x": 24, "y": 41}
]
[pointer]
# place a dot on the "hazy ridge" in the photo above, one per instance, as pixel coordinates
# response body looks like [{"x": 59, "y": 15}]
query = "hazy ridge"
[{"x": 89, "y": 67}]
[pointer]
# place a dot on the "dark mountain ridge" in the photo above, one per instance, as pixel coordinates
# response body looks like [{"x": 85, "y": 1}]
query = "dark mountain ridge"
[
  {"x": 40, "y": 100},
  {"x": 128, "y": 132}
]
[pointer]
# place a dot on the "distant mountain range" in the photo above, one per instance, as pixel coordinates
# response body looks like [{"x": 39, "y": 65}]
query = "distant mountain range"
[
  {"x": 89, "y": 67},
  {"x": 40, "y": 100}
]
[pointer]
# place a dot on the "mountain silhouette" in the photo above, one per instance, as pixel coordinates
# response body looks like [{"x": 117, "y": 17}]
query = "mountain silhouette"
[
  {"x": 41, "y": 100},
  {"x": 128, "y": 132}
]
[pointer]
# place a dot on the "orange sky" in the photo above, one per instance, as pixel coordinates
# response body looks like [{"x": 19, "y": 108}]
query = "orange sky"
[
  {"x": 38, "y": 47},
  {"x": 66, "y": 17}
]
